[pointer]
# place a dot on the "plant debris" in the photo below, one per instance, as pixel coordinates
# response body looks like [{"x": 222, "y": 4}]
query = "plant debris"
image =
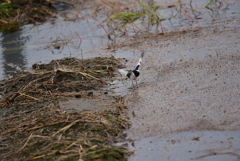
[
  {"x": 14, "y": 13},
  {"x": 35, "y": 128}
]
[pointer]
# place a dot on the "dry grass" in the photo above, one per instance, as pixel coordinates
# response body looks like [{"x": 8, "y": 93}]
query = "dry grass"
[{"x": 35, "y": 128}]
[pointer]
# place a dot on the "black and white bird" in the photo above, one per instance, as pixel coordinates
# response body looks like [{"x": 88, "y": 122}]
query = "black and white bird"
[{"x": 133, "y": 74}]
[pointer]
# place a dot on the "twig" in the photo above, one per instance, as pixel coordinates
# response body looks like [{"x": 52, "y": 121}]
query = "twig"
[
  {"x": 65, "y": 128},
  {"x": 41, "y": 156},
  {"x": 88, "y": 75},
  {"x": 25, "y": 143},
  {"x": 22, "y": 94},
  {"x": 100, "y": 24},
  {"x": 50, "y": 124},
  {"x": 103, "y": 4},
  {"x": 30, "y": 137},
  {"x": 80, "y": 42}
]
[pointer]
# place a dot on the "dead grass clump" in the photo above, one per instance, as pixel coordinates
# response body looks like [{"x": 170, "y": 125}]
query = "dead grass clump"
[
  {"x": 50, "y": 80},
  {"x": 35, "y": 128},
  {"x": 44, "y": 134},
  {"x": 15, "y": 11}
]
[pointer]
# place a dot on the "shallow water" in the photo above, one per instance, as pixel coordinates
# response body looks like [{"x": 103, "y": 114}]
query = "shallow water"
[
  {"x": 60, "y": 38},
  {"x": 188, "y": 145},
  {"x": 54, "y": 39}
]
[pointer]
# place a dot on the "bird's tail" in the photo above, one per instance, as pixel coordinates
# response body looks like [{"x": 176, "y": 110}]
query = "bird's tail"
[{"x": 140, "y": 60}]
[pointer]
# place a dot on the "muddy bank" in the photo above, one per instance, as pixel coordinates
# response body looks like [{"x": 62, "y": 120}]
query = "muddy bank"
[{"x": 190, "y": 81}]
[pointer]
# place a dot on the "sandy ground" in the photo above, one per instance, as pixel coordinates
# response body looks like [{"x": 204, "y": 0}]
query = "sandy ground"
[{"x": 189, "y": 81}]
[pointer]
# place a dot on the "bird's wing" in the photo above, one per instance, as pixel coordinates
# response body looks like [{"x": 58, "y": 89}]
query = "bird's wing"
[{"x": 123, "y": 72}]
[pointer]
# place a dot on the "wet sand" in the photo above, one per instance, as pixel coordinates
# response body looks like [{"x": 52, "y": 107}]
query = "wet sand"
[{"x": 189, "y": 82}]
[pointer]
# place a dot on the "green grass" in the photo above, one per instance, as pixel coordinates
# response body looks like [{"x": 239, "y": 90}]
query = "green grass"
[
  {"x": 5, "y": 8},
  {"x": 148, "y": 15}
]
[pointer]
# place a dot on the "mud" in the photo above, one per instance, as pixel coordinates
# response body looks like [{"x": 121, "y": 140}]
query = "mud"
[
  {"x": 188, "y": 145},
  {"x": 97, "y": 100},
  {"x": 189, "y": 82},
  {"x": 189, "y": 87}
]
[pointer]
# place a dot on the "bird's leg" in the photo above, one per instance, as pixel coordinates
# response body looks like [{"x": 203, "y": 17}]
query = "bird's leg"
[
  {"x": 136, "y": 84},
  {"x": 133, "y": 84},
  {"x": 121, "y": 79}
]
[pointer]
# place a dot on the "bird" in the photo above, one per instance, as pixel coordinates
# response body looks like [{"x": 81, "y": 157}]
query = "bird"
[{"x": 133, "y": 74}]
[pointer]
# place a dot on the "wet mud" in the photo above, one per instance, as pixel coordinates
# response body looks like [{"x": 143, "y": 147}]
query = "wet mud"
[
  {"x": 188, "y": 93},
  {"x": 97, "y": 100},
  {"x": 188, "y": 145},
  {"x": 189, "y": 82}
]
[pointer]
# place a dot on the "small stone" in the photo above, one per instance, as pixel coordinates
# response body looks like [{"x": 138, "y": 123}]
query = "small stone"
[
  {"x": 90, "y": 94},
  {"x": 78, "y": 96},
  {"x": 57, "y": 47}
]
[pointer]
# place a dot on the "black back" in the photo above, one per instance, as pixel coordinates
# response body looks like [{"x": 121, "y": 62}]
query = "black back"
[{"x": 136, "y": 73}]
